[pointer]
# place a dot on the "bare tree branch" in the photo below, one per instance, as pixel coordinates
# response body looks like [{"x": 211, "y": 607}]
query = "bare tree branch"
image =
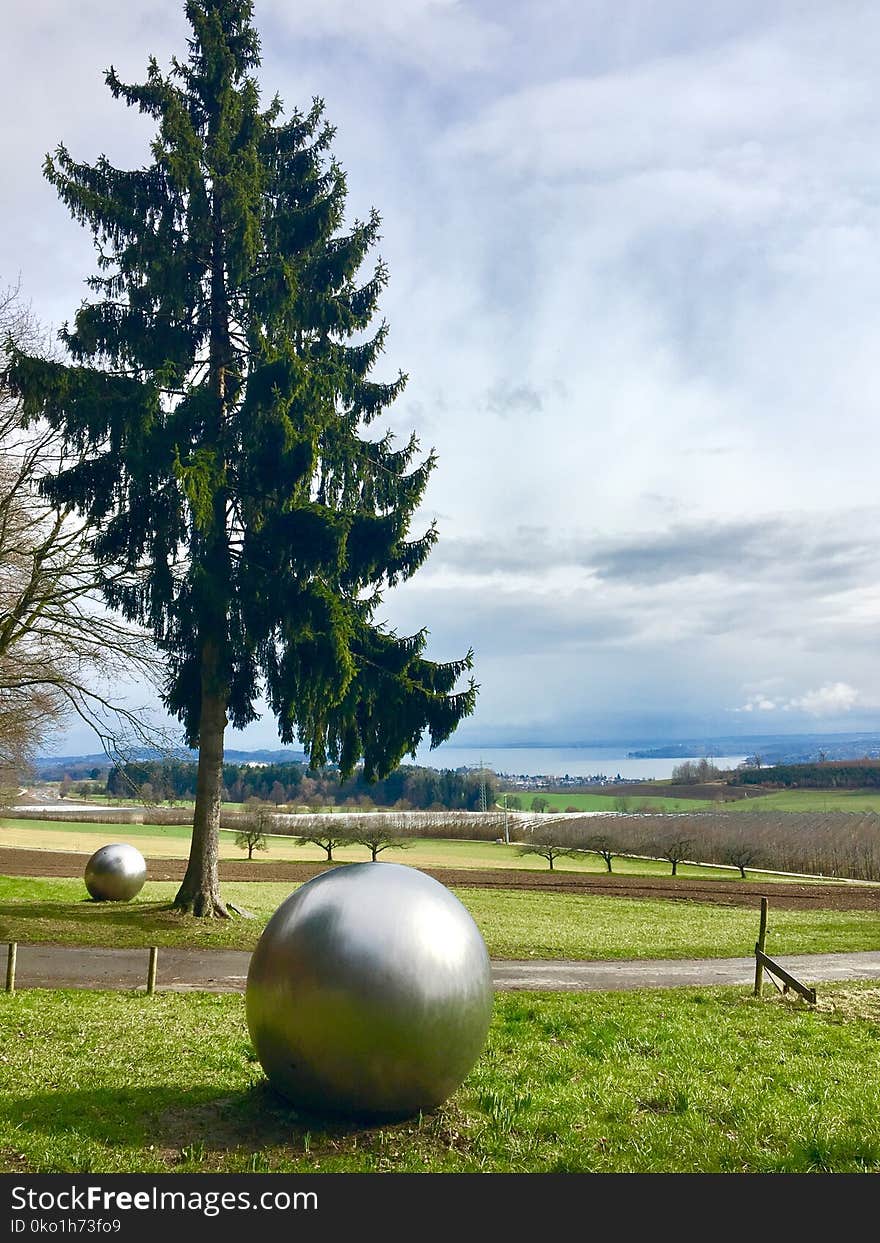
[{"x": 61, "y": 652}]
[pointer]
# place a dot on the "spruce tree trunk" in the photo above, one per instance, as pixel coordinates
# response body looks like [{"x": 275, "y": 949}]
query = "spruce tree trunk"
[{"x": 200, "y": 892}]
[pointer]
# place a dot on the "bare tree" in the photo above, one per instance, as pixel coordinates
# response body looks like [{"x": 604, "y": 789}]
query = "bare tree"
[
  {"x": 256, "y": 822},
  {"x": 378, "y": 834},
  {"x": 603, "y": 845},
  {"x": 674, "y": 847},
  {"x": 251, "y": 837},
  {"x": 328, "y": 837},
  {"x": 742, "y": 855},
  {"x": 548, "y": 842},
  {"x": 59, "y": 649},
  {"x": 694, "y": 772}
]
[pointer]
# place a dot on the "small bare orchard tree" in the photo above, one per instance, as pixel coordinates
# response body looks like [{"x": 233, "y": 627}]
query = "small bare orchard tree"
[
  {"x": 603, "y": 844},
  {"x": 674, "y": 847},
  {"x": 378, "y": 834},
  {"x": 742, "y": 855},
  {"x": 328, "y": 837},
  {"x": 250, "y": 837},
  {"x": 256, "y": 822},
  {"x": 548, "y": 842}
]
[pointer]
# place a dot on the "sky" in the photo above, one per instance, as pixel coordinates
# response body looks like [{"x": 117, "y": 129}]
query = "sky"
[{"x": 634, "y": 265}]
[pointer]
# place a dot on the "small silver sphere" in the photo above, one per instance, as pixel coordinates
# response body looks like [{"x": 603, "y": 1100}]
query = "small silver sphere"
[
  {"x": 369, "y": 992},
  {"x": 115, "y": 873}
]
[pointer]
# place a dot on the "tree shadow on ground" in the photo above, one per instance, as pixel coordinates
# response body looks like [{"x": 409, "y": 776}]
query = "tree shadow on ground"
[
  {"x": 113, "y": 914},
  {"x": 123, "y": 925},
  {"x": 168, "y": 1117}
]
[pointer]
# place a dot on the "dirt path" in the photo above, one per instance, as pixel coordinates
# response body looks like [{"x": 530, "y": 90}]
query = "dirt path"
[
  {"x": 799, "y": 896},
  {"x": 225, "y": 971}
]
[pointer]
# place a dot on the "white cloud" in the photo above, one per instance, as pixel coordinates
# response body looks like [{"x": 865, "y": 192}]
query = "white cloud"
[
  {"x": 435, "y": 36},
  {"x": 759, "y": 703},
  {"x": 716, "y": 107},
  {"x": 829, "y": 700}
]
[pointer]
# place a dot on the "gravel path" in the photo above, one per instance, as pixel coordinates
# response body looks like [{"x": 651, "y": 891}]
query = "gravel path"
[{"x": 225, "y": 971}]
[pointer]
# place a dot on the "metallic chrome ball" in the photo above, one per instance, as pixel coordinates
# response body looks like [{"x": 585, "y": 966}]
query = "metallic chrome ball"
[
  {"x": 115, "y": 873},
  {"x": 369, "y": 992}
]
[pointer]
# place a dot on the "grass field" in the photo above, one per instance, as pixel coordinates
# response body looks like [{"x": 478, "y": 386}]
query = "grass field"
[
  {"x": 782, "y": 800},
  {"x": 514, "y": 924},
  {"x": 810, "y": 800},
  {"x": 612, "y": 802},
  {"x": 685, "y": 1081}
]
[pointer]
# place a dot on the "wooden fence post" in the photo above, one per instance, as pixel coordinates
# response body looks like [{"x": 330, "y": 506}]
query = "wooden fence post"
[
  {"x": 760, "y": 947},
  {"x": 151, "y": 971},
  {"x": 11, "y": 955}
]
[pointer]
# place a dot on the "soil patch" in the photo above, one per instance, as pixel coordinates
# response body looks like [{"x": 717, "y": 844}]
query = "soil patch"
[{"x": 794, "y": 896}]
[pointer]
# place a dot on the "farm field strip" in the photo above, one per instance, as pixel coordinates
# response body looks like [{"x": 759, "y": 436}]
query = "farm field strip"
[{"x": 809, "y": 801}]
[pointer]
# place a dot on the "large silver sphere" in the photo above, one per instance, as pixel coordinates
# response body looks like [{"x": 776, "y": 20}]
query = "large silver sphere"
[
  {"x": 369, "y": 992},
  {"x": 115, "y": 873}
]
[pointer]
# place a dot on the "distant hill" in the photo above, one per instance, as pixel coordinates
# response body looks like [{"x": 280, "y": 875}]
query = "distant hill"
[
  {"x": 54, "y": 767},
  {"x": 284, "y": 756},
  {"x": 772, "y": 748}
]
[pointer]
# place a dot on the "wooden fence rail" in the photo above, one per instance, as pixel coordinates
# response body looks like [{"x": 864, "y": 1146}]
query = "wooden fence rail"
[{"x": 773, "y": 969}]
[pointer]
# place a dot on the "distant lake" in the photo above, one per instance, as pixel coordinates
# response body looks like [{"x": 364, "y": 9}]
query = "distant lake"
[{"x": 557, "y": 761}]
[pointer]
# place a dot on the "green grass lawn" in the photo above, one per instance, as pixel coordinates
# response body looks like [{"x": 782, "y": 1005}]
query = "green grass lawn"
[
  {"x": 12, "y": 827},
  {"x": 609, "y": 802},
  {"x": 781, "y": 800},
  {"x": 514, "y": 924},
  {"x": 667, "y": 1081},
  {"x": 809, "y": 800}
]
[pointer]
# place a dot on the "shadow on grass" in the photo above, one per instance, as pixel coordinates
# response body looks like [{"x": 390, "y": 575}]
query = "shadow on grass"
[
  {"x": 130, "y": 925},
  {"x": 172, "y": 1118},
  {"x": 113, "y": 914},
  {"x": 125, "y": 925}
]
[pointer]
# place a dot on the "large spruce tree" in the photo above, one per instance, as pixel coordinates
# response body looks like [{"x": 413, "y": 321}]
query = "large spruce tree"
[{"x": 217, "y": 407}]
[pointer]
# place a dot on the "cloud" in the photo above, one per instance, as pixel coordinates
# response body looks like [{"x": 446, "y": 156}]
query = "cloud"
[
  {"x": 713, "y": 112},
  {"x": 759, "y": 703},
  {"x": 826, "y": 553},
  {"x": 435, "y": 36},
  {"x": 506, "y": 399},
  {"x": 829, "y": 700}
]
